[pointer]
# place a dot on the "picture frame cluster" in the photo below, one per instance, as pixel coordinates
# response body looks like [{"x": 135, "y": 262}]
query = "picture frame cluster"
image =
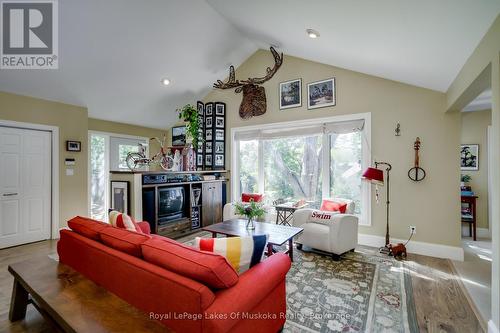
[
  {"x": 319, "y": 94},
  {"x": 211, "y": 153}
]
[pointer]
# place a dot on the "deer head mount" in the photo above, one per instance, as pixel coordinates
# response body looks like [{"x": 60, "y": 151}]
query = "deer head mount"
[{"x": 254, "y": 95}]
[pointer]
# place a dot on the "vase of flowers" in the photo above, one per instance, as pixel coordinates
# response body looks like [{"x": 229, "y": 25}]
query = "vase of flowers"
[{"x": 250, "y": 210}]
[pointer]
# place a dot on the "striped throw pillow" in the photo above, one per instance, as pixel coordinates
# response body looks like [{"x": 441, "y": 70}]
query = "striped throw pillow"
[
  {"x": 241, "y": 252},
  {"x": 123, "y": 221}
]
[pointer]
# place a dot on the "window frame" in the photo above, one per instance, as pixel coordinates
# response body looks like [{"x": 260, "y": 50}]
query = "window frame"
[{"x": 365, "y": 216}]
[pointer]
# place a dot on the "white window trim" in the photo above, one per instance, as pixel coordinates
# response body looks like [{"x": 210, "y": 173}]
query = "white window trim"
[
  {"x": 107, "y": 166},
  {"x": 366, "y": 162}
]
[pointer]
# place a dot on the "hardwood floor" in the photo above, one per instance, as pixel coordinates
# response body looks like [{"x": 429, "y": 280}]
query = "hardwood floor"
[{"x": 441, "y": 304}]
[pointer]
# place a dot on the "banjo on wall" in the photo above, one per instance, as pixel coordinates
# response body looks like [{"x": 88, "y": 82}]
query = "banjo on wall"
[{"x": 416, "y": 173}]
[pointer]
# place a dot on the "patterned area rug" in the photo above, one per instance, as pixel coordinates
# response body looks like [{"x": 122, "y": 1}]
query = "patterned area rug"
[{"x": 364, "y": 292}]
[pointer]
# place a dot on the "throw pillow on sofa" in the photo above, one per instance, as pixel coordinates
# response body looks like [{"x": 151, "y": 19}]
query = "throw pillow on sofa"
[
  {"x": 247, "y": 197},
  {"x": 322, "y": 217},
  {"x": 210, "y": 269},
  {"x": 241, "y": 252},
  {"x": 123, "y": 221},
  {"x": 333, "y": 206}
]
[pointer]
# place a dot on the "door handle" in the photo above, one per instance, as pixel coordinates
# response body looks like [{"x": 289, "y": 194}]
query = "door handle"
[{"x": 9, "y": 194}]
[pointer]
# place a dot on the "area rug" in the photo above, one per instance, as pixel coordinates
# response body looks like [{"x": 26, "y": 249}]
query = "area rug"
[{"x": 364, "y": 292}]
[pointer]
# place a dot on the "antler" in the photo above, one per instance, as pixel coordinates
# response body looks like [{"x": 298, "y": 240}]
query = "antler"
[
  {"x": 231, "y": 82},
  {"x": 278, "y": 60}
]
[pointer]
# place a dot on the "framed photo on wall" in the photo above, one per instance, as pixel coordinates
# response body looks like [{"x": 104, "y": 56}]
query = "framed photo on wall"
[
  {"x": 220, "y": 109},
  {"x": 75, "y": 146},
  {"x": 469, "y": 157},
  {"x": 321, "y": 94},
  {"x": 290, "y": 94},
  {"x": 179, "y": 136}
]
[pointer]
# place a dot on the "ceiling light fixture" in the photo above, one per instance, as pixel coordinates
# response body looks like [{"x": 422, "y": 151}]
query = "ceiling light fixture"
[
  {"x": 312, "y": 33},
  {"x": 165, "y": 82}
]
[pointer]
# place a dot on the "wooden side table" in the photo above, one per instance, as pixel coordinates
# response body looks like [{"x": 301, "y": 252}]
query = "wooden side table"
[{"x": 471, "y": 201}]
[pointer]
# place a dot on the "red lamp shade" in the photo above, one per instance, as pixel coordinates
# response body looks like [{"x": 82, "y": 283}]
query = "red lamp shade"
[{"x": 374, "y": 175}]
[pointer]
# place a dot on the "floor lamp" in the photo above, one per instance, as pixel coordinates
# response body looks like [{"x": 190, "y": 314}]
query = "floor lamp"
[{"x": 376, "y": 176}]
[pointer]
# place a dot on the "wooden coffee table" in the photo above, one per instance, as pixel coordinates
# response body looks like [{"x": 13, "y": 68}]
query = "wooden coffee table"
[
  {"x": 278, "y": 234},
  {"x": 70, "y": 302}
]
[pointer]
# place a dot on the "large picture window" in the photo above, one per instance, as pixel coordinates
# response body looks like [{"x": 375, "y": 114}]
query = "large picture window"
[{"x": 310, "y": 160}]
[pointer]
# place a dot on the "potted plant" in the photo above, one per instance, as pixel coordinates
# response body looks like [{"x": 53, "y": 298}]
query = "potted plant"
[
  {"x": 464, "y": 179},
  {"x": 189, "y": 114},
  {"x": 250, "y": 210}
]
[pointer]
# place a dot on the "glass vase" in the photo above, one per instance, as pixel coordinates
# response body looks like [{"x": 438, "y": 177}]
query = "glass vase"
[{"x": 250, "y": 224}]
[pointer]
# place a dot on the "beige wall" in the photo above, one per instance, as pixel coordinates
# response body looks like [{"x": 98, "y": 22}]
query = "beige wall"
[
  {"x": 431, "y": 205},
  {"x": 467, "y": 85},
  {"x": 474, "y": 131},
  {"x": 73, "y": 123}
]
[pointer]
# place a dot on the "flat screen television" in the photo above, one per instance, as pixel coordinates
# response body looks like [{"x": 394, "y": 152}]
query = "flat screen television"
[{"x": 170, "y": 204}]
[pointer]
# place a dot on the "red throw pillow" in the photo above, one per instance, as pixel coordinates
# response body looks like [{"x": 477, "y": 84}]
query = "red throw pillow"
[
  {"x": 333, "y": 206},
  {"x": 246, "y": 197},
  {"x": 211, "y": 269},
  {"x": 124, "y": 240},
  {"x": 123, "y": 221},
  {"x": 87, "y": 227}
]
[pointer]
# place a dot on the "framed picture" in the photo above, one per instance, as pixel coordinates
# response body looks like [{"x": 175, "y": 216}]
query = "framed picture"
[
  {"x": 321, "y": 94},
  {"x": 119, "y": 196},
  {"x": 219, "y": 160},
  {"x": 208, "y": 147},
  {"x": 208, "y": 160},
  {"x": 469, "y": 157},
  {"x": 208, "y": 109},
  {"x": 208, "y": 136},
  {"x": 179, "y": 136},
  {"x": 73, "y": 146},
  {"x": 219, "y": 122},
  {"x": 291, "y": 94},
  {"x": 219, "y": 147},
  {"x": 208, "y": 122},
  {"x": 200, "y": 107},
  {"x": 199, "y": 160},
  {"x": 219, "y": 135},
  {"x": 220, "y": 109}
]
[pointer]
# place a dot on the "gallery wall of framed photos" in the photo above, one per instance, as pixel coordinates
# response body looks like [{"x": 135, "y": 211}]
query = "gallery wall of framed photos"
[{"x": 211, "y": 154}]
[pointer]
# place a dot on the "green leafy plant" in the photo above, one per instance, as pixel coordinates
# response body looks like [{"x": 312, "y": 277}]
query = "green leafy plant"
[
  {"x": 465, "y": 178},
  {"x": 251, "y": 209},
  {"x": 189, "y": 114}
]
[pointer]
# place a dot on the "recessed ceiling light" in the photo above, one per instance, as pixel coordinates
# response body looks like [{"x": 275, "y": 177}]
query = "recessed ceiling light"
[
  {"x": 312, "y": 33},
  {"x": 165, "y": 82}
]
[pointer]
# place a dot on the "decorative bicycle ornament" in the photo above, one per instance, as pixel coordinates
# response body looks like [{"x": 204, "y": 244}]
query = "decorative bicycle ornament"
[{"x": 139, "y": 160}]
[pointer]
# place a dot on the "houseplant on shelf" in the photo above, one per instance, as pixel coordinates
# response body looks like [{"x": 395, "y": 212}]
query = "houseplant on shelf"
[
  {"x": 464, "y": 179},
  {"x": 189, "y": 114},
  {"x": 250, "y": 210}
]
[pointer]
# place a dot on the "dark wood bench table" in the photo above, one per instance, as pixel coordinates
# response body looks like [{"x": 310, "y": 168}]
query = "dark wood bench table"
[
  {"x": 72, "y": 303},
  {"x": 278, "y": 234}
]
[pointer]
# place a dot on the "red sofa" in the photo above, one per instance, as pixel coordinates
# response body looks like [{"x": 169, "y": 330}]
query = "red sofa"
[{"x": 123, "y": 262}]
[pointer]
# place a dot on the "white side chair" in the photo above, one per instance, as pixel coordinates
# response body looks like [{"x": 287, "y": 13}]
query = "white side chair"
[{"x": 336, "y": 236}]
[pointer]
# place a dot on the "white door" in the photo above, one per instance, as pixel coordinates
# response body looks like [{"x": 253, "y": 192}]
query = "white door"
[{"x": 25, "y": 186}]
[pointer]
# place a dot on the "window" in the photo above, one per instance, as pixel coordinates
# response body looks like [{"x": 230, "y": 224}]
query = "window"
[
  {"x": 107, "y": 152},
  {"x": 310, "y": 161},
  {"x": 119, "y": 149}
]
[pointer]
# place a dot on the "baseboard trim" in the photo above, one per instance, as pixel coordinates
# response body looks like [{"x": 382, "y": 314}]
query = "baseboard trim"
[
  {"x": 423, "y": 248},
  {"x": 481, "y": 232},
  {"x": 492, "y": 328}
]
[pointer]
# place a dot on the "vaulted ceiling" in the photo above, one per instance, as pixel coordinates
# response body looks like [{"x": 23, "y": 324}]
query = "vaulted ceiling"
[{"x": 114, "y": 53}]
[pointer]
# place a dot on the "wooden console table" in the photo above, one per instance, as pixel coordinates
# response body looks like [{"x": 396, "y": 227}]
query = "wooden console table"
[
  {"x": 471, "y": 201},
  {"x": 72, "y": 303}
]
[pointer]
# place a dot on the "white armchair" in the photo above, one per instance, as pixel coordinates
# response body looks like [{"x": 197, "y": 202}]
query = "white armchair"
[{"x": 337, "y": 236}]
